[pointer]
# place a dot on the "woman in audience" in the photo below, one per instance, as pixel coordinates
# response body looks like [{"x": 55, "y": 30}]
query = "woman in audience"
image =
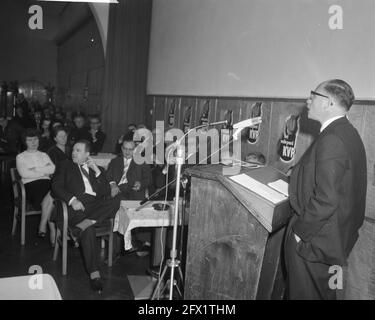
[
  {"x": 35, "y": 169},
  {"x": 60, "y": 151}
]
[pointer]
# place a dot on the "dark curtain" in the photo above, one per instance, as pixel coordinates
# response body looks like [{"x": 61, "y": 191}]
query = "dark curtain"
[{"x": 126, "y": 67}]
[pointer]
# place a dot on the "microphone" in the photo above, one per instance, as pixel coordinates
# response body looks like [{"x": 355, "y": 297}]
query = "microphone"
[{"x": 244, "y": 124}]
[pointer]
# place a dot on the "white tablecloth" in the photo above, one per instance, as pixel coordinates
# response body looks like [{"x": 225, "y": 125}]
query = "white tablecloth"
[
  {"x": 103, "y": 159},
  {"x": 31, "y": 287},
  {"x": 128, "y": 219}
]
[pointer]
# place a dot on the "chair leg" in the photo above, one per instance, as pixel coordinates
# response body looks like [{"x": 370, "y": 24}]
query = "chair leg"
[
  {"x": 57, "y": 245},
  {"x": 23, "y": 227},
  {"x": 56, "y": 251},
  {"x": 15, "y": 214},
  {"x": 110, "y": 249},
  {"x": 102, "y": 243},
  {"x": 64, "y": 252}
]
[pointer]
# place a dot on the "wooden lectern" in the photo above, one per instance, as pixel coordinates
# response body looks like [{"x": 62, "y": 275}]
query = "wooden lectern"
[{"x": 235, "y": 237}]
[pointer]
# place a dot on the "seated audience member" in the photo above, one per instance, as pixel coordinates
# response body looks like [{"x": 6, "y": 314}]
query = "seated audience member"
[
  {"x": 128, "y": 180},
  {"x": 79, "y": 131},
  {"x": 60, "y": 151},
  {"x": 22, "y": 103},
  {"x": 47, "y": 113},
  {"x": 97, "y": 136},
  {"x": 36, "y": 121},
  {"x": 68, "y": 120},
  {"x": 21, "y": 118},
  {"x": 35, "y": 169},
  {"x": 34, "y": 106},
  {"x": 83, "y": 186},
  {"x": 59, "y": 116},
  {"x": 131, "y": 130},
  {"x": 10, "y": 134},
  {"x": 46, "y": 140}
]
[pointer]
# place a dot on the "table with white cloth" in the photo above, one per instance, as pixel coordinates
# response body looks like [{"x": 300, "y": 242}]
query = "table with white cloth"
[
  {"x": 103, "y": 159},
  {"x": 30, "y": 287},
  {"x": 127, "y": 219}
]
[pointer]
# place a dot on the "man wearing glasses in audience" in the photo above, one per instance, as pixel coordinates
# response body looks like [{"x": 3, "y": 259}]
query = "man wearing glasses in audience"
[
  {"x": 97, "y": 136},
  {"x": 327, "y": 193},
  {"x": 128, "y": 180}
]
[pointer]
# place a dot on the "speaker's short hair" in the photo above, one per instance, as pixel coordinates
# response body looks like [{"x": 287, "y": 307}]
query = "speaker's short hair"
[{"x": 341, "y": 91}]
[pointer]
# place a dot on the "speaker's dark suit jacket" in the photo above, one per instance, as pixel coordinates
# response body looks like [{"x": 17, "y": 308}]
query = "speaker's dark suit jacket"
[
  {"x": 328, "y": 194},
  {"x": 136, "y": 172}
]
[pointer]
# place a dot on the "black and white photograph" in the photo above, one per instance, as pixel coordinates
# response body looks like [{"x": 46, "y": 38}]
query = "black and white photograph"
[{"x": 205, "y": 152}]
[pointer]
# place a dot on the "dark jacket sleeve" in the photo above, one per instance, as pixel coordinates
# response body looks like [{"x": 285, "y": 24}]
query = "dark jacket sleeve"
[
  {"x": 101, "y": 183},
  {"x": 98, "y": 145},
  {"x": 59, "y": 187},
  {"x": 331, "y": 163}
]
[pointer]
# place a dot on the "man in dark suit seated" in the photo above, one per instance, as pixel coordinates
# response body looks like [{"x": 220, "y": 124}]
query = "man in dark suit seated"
[
  {"x": 97, "y": 136},
  {"x": 84, "y": 187},
  {"x": 327, "y": 192},
  {"x": 79, "y": 131},
  {"x": 128, "y": 180}
]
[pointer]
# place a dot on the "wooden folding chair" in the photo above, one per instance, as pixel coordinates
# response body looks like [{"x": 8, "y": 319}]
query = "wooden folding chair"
[{"x": 21, "y": 207}]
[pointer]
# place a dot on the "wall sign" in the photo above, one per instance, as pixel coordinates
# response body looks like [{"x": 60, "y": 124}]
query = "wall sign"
[
  {"x": 171, "y": 113},
  {"x": 187, "y": 120},
  {"x": 288, "y": 141},
  {"x": 254, "y": 132},
  {"x": 226, "y": 128}
]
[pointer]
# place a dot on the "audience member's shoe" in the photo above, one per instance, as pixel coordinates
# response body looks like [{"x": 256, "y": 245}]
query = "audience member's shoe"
[
  {"x": 41, "y": 234},
  {"x": 130, "y": 251},
  {"x": 73, "y": 244},
  {"x": 96, "y": 284},
  {"x": 154, "y": 272}
]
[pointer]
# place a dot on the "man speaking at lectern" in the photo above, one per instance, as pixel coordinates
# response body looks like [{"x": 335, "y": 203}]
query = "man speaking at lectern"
[{"x": 327, "y": 193}]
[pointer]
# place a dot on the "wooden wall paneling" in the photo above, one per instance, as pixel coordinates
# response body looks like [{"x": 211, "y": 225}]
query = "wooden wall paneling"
[
  {"x": 369, "y": 142},
  {"x": 224, "y": 106},
  {"x": 262, "y": 142},
  {"x": 160, "y": 106},
  {"x": 172, "y": 102},
  {"x": 149, "y": 113},
  {"x": 361, "y": 265},
  {"x": 356, "y": 117},
  {"x": 188, "y": 104},
  {"x": 307, "y": 130},
  {"x": 202, "y": 105}
]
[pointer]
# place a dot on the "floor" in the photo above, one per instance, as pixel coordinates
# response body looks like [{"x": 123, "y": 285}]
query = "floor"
[{"x": 15, "y": 260}]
